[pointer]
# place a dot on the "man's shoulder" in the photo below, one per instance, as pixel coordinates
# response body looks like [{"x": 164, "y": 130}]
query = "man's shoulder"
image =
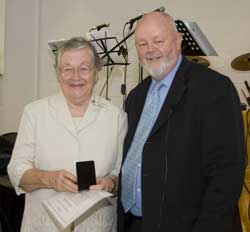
[
  {"x": 142, "y": 86},
  {"x": 206, "y": 84},
  {"x": 202, "y": 74}
]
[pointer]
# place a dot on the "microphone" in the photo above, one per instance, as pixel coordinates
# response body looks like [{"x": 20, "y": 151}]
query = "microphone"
[
  {"x": 133, "y": 20},
  {"x": 99, "y": 27}
]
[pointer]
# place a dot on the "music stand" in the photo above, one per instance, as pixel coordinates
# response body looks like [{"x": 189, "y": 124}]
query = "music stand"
[
  {"x": 194, "y": 41},
  {"x": 103, "y": 46},
  {"x": 111, "y": 54}
]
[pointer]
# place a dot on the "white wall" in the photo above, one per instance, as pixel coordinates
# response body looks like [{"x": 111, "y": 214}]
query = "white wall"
[
  {"x": 18, "y": 85},
  {"x": 2, "y": 16},
  {"x": 30, "y": 24}
]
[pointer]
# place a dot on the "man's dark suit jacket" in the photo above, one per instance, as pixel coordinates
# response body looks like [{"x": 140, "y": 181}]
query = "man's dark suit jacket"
[{"x": 193, "y": 160}]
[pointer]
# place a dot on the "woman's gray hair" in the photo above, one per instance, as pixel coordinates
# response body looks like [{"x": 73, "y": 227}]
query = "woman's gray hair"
[{"x": 79, "y": 43}]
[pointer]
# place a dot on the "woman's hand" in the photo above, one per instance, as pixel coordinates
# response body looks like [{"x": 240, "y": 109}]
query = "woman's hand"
[
  {"x": 106, "y": 183},
  {"x": 62, "y": 181}
]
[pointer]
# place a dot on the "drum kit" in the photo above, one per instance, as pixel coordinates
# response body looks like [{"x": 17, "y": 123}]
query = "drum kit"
[
  {"x": 198, "y": 60},
  {"x": 240, "y": 63}
]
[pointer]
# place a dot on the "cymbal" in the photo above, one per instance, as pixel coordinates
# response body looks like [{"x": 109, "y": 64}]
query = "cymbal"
[
  {"x": 198, "y": 60},
  {"x": 241, "y": 63}
]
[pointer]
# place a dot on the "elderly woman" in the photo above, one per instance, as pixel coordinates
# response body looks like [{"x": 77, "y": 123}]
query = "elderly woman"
[{"x": 55, "y": 132}]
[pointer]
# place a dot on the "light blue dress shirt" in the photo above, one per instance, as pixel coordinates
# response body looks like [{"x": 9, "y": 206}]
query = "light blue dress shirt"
[{"x": 163, "y": 91}]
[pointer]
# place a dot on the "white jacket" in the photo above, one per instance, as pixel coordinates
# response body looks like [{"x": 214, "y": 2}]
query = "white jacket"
[{"x": 49, "y": 140}]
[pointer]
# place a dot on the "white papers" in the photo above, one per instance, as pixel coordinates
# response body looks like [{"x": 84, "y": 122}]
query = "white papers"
[{"x": 64, "y": 207}]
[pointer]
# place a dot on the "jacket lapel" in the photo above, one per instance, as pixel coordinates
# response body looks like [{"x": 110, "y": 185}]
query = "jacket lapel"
[
  {"x": 92, "y": 112},
  {"x": 60, "y": 110}
]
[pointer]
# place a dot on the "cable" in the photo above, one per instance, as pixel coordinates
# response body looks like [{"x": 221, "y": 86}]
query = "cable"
[{"x": 125, "y": 56}]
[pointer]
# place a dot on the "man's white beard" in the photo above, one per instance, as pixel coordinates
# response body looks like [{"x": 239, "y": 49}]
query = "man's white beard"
[{"x": 158, "y": 71}]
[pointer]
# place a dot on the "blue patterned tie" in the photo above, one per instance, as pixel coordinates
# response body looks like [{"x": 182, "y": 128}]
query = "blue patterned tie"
[{"x": 129, "y": 169}]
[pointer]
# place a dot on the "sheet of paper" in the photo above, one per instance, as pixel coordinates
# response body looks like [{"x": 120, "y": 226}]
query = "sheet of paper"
[{"x": 64, "y": 207}]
